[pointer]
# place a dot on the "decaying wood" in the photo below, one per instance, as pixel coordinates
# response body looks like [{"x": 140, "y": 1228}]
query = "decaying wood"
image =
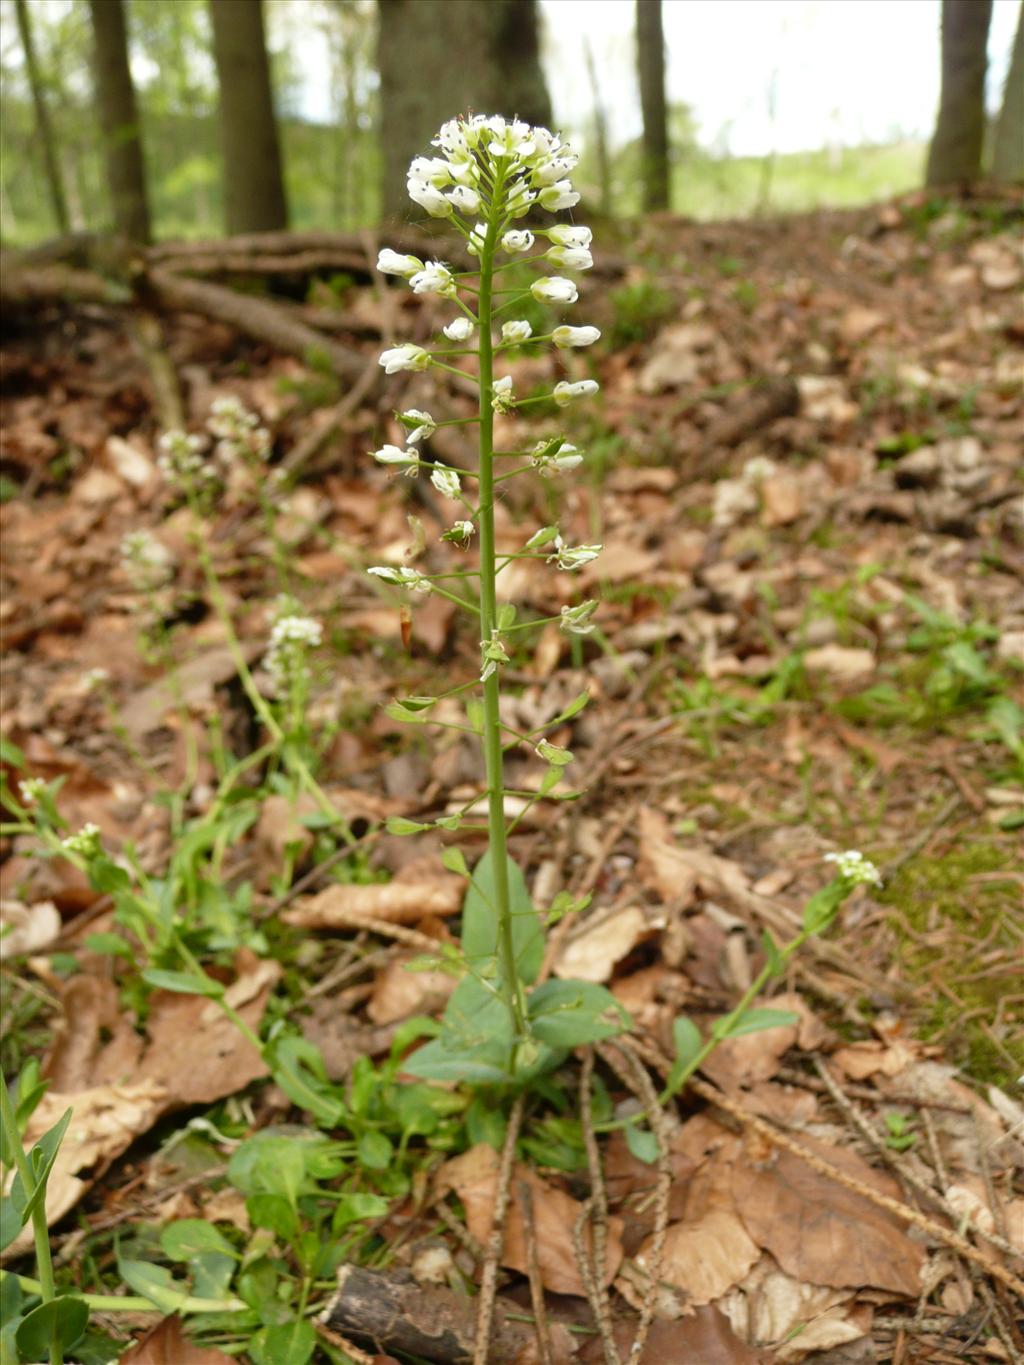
[
  {"x": 389, "y": 1310},
  {"x": 22, "y": 285}
]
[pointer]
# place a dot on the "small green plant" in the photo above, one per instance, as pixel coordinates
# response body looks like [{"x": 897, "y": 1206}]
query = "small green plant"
[
  {"x": 639, "y": 309},
  {"x": 901, "y": 1136}
]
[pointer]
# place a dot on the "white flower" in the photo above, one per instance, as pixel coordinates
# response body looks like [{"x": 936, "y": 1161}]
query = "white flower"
[
  {"x": 561, "y": 195},
  {"x": 86, "y": 842},
  {"x": 431, "y": 170},
  {"x": 854, "y": 867},
  {"x": 554, "y": 289},
  {"x": 292, "y": 634},
  {"x": 571, "y": 257},
  {"x": 393, "y": 455},
  {"x": 407, "y": 357},
  {"x": 402, "y": 578},
  {"x": 392, "y": 263},
  {"x": 460, "y": 534},
  {"x": 552, "y": 169},
  {"x": 564, "y": 392},
  {"x": 564, "y": 337},
  {"x": 31, "y": 789},
  {"x": 560, "y": 460},
  {"x": 494, "y": 654},
  {"x": 565, "y": 235},
  {"x": 429, "y": 198},
  {"x": 435, "y": 278},
  {"x": 576, "y": 620},
  {"x": 180, "y": 460},
  {"x": 516, "y": 332},
  {"x": 519, "y": 200},
  {"x": 446, "y": 481},
  {"x": 465, "y": 199},
  {"x": 571, "y": 557},
  {"x": 460, "y": 329},
  {"x": 502, "y": 398},
  {"x": 517, "y": 240},
  {"x": 422, "y": 424},
  {"x": 146, "y": 560},
  {"x": 477, "y": 237}
]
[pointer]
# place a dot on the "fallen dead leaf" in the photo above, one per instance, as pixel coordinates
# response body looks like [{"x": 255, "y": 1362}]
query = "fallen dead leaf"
[
  {"x": 860, "y": 1060},
  {"x": 592, "y": 954},
  {"x": 167, "y": 1344},
  {"x": 840, "y": 663},
  {"x": 782, "y": 500},
  {"x": 473, "y": 1176},
  {"x": 704, "y": 1339},
  {"x": 399, "y": 992},
  {"x": 821, "y": 1232},
  {"x": 706, "y": 1257},
  {"x": 757, "y": 1056},
  {"x": 27, "y": 928},
  {"x": 769, "y": 1307},
  {"x": 418, "y": 890}
]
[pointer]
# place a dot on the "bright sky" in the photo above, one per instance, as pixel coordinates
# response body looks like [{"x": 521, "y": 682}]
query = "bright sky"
[{"x": 848, "y": 71}]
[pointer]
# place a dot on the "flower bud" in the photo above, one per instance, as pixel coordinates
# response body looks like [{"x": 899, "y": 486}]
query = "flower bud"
[
  {"x": 564, "y": 337},
  {"x": 561, "y": 195},
  {"x": 565, "y": 235},
  {"x": 516, "y": 332},
  {"x": 502, "y": 397},
  {"x": 435, "y": 278},
  {"x": 517, "y": 240},
  {"x": 564, "y": 392},
  {"x": 465, "y": 199},
  {"x": 460, "y": 329},
  {"x": 407, "y": 357},
  {"x": 554, "y": 289},
  {"x": 392, "y": 263}
]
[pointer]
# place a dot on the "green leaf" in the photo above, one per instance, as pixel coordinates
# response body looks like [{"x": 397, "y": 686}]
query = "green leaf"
[
  {"x": 642, "y": 1143},
  {"x": 212, "y": 1274},
  {"x": 10, "y": 1223},
  {"x": 480, "y": 921},
  {"x": 436, "y": 1061},
  {"x": 182, "y": 983},
  {"x": 756, "y": 1021},
  {"x": 155, "y": 1283},
  {"x": 298, "y": 1068},
  {"x": 455, "y": 861},
  {"x": 688, "y": 1042},
  {"x": 821, "y": 909},
  {"x": 374, "y": 1151},
  {"x": 10, "y": 753},
  {"x": 506, "y": 616},
  {"x": 397, "y": 824},
  {"x": 269, "y": 1164},
  {"x": 40, "y": 1160},
  {"x": 112, "y": 945},
  {"x": 108, "y": 877},
  {"x": 569, "y": 1013},
  {"x": 485, "y": 1124},
  {"x": 289, "y": 1343},
  {"x": 775, "y": 961},
  {"x": 396, "y": 711},
  {"x": 573, "y": 709},
  {"x": 52, "y": 1326},
  {"x": 189, "y": 1237},
  {"x": 356, "y": 1208},
  {"x": 273, "y": 1211}
]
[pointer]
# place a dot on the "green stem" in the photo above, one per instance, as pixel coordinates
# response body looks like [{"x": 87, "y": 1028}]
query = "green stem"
[
  {"x": 511, "y": 988},
  {"x": 129, "y": 1303},
  {"x": 40, "y": 1230}
]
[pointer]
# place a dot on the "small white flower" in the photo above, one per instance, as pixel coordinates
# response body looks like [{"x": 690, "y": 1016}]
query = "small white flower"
[
  {"x": 559, "y": 461},
  {"x": 564, "y": 392},
  {"x": 407, "y": 357},
  {"x": 461, "y": 533},
  {"x": 502, "y": 397},
  {"x": 180, "y": 460},
  {"x": 576, "y": 620},
  {"x": 560, "y": 195},
  {"x": 291, "y": 636},
  {"x": 393, "y": 263},
  {"x": 517, "y": 240},
  {"x": 516, "y": 332},
  {"x": 146, "y": 560},
  {"x": 85, "y": 842},
  {"x": 571, "y": 257},
  {"x": 429, "y": 198},
  {"x": 571, "y": 557},
  {"x": 565, "y": 235},
  {"x": 31, "y": 789},
  {"x": 402, "y": 578},
  {"x": 422, "y": 424},
  {"x": 465, "y": 199},
  {"x": 434, "y": 278},
  {"x": 854, "y": 867},
  {"x": 494, "y": 654},
  {"x": 477, "y": 237},
  {"x": 564, "y": 337},
  {"x": 550, "y": 172},
  {"x": 519, "y": 200},
  {"x": 446, "y": 481},
  {"x": 460, "y": 329},
  {"x": 394, "y": 455},
  {"x": 554, "y": 289},
  {"x": 431, "y": 170}
]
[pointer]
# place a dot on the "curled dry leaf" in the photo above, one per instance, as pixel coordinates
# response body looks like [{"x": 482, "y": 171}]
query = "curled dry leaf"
[
  {"x": 473, "y": 1176},
  {"x": 821, "y": 1232},
  {"x": 704, "y": 1339},
  {"x": 591, "y": 954},
  {"x": 769, "y": 1307},
  {"x": 27, "y": 928},
  {"x": 755, "y": 1057},
  {"x": 706, "y": 1257},
  {"x": 167, "y": 1344},
  {"x": 399, "y": 992},
  {"x": 413, "y": 894},
  {"x": 870, "y": 1058}
]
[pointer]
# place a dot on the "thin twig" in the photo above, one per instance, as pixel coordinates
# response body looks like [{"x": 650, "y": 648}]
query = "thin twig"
[
  {"x": 458, "y": 1229},
  {"x": 540, "y": 1317},
  {"x": 355, "y": 1353},
  {"x": 489, "y": 1277},
  {"x": 598, "y": 1204}
]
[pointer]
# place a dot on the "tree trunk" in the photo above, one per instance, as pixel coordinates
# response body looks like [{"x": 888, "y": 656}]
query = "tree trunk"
[
  {"x": 119, "y": 120},
  {"x": 650, "y": 51},
  {"x": 254, "y": 199},
  {"x": 1008, "y": 153},
  {"x": 43, "y": 124},
  {"x": 955, "y": 151},
  {"x": 604, "y": 164},
  {"x": 439, "y": 58}
]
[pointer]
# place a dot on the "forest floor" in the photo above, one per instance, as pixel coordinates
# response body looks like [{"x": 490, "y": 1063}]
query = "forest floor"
[{"x": 806, "y": 475}]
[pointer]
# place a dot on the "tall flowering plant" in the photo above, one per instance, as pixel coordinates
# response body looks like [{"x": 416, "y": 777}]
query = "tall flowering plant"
[{"x": 488, "y": 175}]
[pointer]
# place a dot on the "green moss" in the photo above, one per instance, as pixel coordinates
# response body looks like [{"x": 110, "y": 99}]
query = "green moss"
[{"x": 959, "y": 926}]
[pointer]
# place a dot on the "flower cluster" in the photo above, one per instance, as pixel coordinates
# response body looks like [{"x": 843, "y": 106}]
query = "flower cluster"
[
  {"x": 238, "y": 431},
  {"x": 181, "y": 459},
  {"x": 146, "y": 560},
  {"x": 292, "y": 635},
  {"x": 31, "y": 789},
  {"x": 853, "y": 867},
  {"x": 86, "y": 842}
]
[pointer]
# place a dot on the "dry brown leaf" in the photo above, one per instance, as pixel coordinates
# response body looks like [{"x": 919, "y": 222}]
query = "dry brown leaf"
[
  {"x": 770, "y": 1306},
  {"x": 413, "y": 894},
  {"x": 860, "y": 1060},
  {"x": 167, "y": 1344},
  {"x": 473, "y": 1176},
  {"x": 821, "y": 1232},
  {"x": 399, "y": 992},
  {"x": 704, "y": 1339},
  {"x": 782, "y": 500},
  {"x": 192, "y": 682},
  {"x": 705, "y": 1257},
  {"x": 27, "y": 928},
  {"x": 591, "y": 955},
  {"x": 104, "y": 1122},
  {"x": 842, "y": 664}
]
